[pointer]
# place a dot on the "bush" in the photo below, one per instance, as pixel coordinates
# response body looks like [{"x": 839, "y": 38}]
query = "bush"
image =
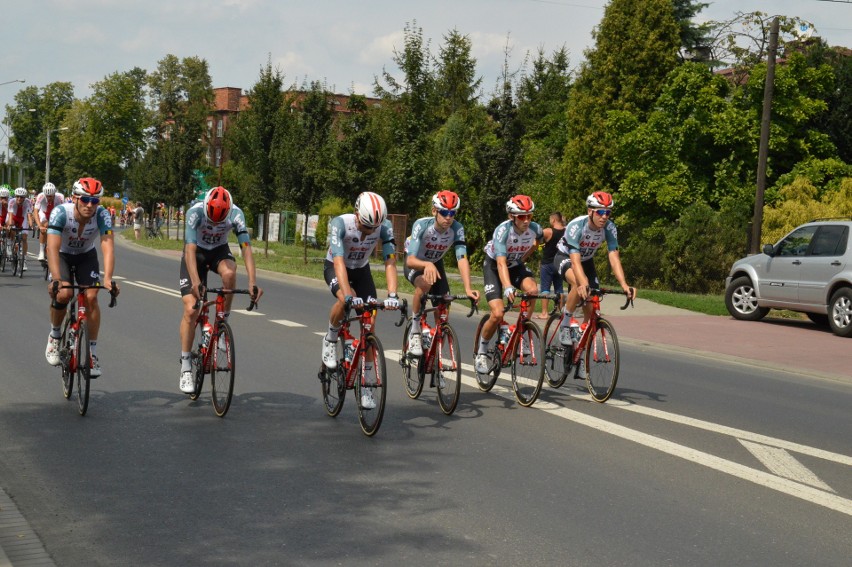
[{"x": 330, "y": 207}]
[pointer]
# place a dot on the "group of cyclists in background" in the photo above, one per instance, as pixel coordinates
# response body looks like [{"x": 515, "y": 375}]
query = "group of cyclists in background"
[{"x": 70, "y": 229}]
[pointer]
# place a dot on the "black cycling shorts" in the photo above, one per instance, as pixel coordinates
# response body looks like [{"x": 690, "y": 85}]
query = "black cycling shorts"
[
  {"x": 205, "y": 261},
  {"x": 360, "y": 280},
  {"x": 491, "y": 279}
]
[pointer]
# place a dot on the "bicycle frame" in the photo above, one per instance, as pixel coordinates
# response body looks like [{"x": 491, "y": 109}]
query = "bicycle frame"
[
  {"x": 204, "y": 318},
  {"x": 517, "y": 333},
  {"x": 365, "y": 321},
  {"x": 442, "y": 314}
]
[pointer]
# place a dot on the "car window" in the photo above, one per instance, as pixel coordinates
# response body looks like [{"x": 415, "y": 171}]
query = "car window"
[
  {"x": 797, "y": 242},
  {"x": 830, "y": 240}
]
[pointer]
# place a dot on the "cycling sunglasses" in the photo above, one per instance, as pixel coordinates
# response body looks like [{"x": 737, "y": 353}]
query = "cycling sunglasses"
[
  {"x": 603, "y": 212},
  {"x": 90, "y": 200},
  {"x": 523, "y": 218},
  {"x": 447, "y": 213}
]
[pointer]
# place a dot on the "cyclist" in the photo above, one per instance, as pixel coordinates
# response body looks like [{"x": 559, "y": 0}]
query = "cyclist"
[
  {"x": 17, "y": 219},
  {"x": 514, "y": 240},
  {"x": 71, "y": 257},
  {"x": 352, "y": 239},
  {"x": 46, "y": 200},
  {"x": 4, "y": 203},
  {"x": 206, "y": 249},
  {"x": 431, "y": 238},
  {"x": 574, "y": 260}
]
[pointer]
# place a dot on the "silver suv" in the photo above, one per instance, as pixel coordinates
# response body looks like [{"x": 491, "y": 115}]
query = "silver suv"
[{"x": 809, "y": 270}]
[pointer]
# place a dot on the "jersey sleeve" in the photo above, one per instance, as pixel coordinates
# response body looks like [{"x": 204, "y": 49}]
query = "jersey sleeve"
[
  {"x": 460, "y": 244},
  {"x": 193, "y": 220},
  {"x": 417, "y": 232},
  {"x": 539, "y": 232},
  {"x": 611, "y": 234},
  {"x": 571, "y": 238},
  {"x": 57, "y": 221},
  {"x": 388, "y": 243},
  {"x": 104, "y": 221},
  {"x": 501, "y": 233},
  {"x": 240, "y": 228},
  {"x": 336, "y": 234}
]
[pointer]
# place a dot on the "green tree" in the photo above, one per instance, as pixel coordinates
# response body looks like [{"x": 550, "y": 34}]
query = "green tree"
[
  {"x": 106, "y": 132},
  {"x": 636, "y": 46},
  {"x": 306, "y": 154},
  {"x": 357, "y": 149},
  {"x": 252, "y": 142},
  {"x": 182, "y": 96},
  {"x": 456, "y": 83},
  {"x": 406, "y": 175},
  {"x": 30, "y": 129}
]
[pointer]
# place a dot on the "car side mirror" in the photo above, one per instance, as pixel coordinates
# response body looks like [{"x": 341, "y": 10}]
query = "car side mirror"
[{"x": 769, "y": 250}]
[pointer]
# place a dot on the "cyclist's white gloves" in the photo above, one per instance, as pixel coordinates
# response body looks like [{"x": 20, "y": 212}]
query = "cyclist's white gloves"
[
  {"x": 391, "y": 303},
  {"x": 356, "y": 301},
  {"x": 509, "y": 292}
]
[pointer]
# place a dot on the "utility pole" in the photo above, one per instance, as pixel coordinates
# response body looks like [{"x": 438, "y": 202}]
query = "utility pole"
[{"x": 763, "y": 151}]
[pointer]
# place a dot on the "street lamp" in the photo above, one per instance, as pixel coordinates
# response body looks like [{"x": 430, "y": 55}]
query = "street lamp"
[
  {"x": 47, "y": 158},
  {"x": 13, "y": 81}
]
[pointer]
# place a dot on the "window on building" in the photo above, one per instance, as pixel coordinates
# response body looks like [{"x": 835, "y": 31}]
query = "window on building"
[
  {"x": 218, "y": 157},
  {"x": 209, "y": 127},
  {"x": 209, "y": 155},
  {"x": 219, "y": 128}
]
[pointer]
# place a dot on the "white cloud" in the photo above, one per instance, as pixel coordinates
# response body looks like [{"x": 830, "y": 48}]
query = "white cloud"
[{"x": 381, "y": 48}]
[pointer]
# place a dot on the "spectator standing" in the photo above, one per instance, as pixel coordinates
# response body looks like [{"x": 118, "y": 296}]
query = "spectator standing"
[
  {"x": 548, "y": 274},
  {"x": 138, "y": 218}
]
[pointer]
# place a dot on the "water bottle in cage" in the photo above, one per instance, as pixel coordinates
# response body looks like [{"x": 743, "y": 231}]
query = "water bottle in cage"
[{"x": 425, "y": 335}]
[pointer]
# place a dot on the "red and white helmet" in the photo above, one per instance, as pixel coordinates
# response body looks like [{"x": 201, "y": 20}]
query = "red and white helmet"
[
  {"x": 446, "y": 200},
  {"x": 88, "y": 187},
  {"x": 520, "y": 205},
  {"x": 371, "y": 209},
  {"x": 599, "y": 200},
  {"x": 48, "y": 189},
  {"x": 217, "y": 204}
]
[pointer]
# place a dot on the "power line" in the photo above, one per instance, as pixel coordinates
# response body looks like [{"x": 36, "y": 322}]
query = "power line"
[{"x": 837, "y": 1}]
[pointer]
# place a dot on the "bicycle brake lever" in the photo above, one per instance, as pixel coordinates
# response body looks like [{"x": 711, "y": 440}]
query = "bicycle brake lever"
[
  {"x": 403, "y": 313},
  {"x": 252, "y": 303}
]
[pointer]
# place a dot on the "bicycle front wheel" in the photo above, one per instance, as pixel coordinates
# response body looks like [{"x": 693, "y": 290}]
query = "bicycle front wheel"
[
  {"x": 370, "y": 381},
  {"x": 84, "y": 362},
  {"x": 446, "y": 376},
  {"x": 602, "y": 362},
  {"x": 65, "y": 348},
  {"x": 486, "y": 380},
  {"x": 199, "y": 369},
  {"x": 222, "y": 368},
  {"x": 528, "y": 365},
  {"x": 412, "y": 367},
  {"x": 557, "y": 358},
  {"x": 3, "y": 258}
]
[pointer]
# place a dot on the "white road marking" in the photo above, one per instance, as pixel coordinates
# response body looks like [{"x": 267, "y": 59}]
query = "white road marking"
[
  {"x": 246, "y": 312},
  {"x": 287, "y": 323},
  {"x": 798, "y": 489},
  {"x": 319, "y": 333},
  {"x": 153, "y": 287},
  {"x": 784, "y": 464}
]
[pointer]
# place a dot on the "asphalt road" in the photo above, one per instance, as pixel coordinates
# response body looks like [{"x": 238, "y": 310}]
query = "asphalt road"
[{"x": 696, "y": 460}]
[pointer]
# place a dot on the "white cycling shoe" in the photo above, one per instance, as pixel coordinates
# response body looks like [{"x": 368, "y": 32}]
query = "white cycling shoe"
[
  {"x": 415, "y": 347},
  {"x": 187, "y": 382},
  {"x": 367, "y": 400},
  {"x": 51, "y": 353},
  {"x": 329, "y": 354},
  {"x": 482, "y": 363}
]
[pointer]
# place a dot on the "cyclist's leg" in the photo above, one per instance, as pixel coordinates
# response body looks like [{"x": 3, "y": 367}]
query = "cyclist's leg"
[{"x": 494, "y": 296}]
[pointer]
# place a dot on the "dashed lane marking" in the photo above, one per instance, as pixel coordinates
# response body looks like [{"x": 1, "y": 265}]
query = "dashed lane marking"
[{"x": 287, "y": 323}]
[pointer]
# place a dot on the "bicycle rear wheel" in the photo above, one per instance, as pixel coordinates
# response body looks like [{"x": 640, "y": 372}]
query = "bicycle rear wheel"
[
  {"x": 84, "y": 362},
  {"x": 446, "y": 375},
  {"x": 487, "y": 380},
  {"x": 15, "y": 262},
  {"x": 412, "y": 367},
  {"x": 557, "y": 358},
  {"x": 222, "y": 369},
  {"x": 602, "y": 362},
  {"x": 65, "y": 348},
  {"x": 2, "y": 257},
  {"x": 528, "y": 365},
  {"x": 197, "y": 362},
  {"x": 371, "y": 378}
]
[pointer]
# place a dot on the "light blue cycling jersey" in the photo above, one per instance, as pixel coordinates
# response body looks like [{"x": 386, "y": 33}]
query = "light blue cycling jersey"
[
  {"x": 347, "y": 241},
  {"x": 426, "y": 243},
  {"x": 580, "y": 236},
  {"x": 507, "y": 242},
  {"x": 208, "y": 235},
  {"x": 77, "y": 239}
]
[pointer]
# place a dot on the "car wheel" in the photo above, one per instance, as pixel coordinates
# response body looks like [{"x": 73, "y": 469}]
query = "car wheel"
[
  {"x": 840, "y": 312},
  {"x": 741, "y": 301},
  {"x": 818, "y": 319}
]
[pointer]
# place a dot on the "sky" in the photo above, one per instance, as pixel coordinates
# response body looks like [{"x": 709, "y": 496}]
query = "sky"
[{"x": 345, "y": 43}]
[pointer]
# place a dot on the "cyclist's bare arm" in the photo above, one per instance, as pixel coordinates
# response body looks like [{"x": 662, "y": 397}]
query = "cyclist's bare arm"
[
  {"x": 390, "y": 273},
  {"x": 251, "y": 270},
  {"x": 108, "y": 250},
  {"x": 464, "y": 271},
  {"x": 618, "y": 272}
]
